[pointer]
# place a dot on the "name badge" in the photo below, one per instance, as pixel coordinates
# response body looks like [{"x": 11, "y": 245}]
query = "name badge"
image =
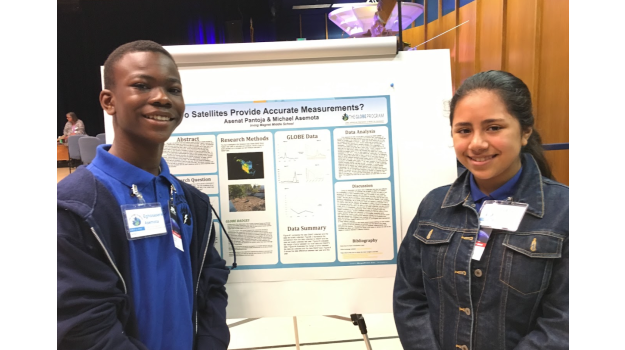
[
  {"x": 502, "y": 215},
  {"x": 143, "y": 220}
]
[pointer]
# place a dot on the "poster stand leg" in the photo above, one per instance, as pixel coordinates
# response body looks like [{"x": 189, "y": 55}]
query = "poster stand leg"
[
  {"x": 296, "y": 333},
  {"x": 357, "y": 320}
]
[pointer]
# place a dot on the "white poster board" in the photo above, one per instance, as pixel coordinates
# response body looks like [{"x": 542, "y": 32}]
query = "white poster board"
[{"x": 413, "y": 88}]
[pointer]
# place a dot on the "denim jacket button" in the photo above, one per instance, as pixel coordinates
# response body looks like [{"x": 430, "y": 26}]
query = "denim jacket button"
[
  {"x": 462, "y": 347},
  {"x": 477, "y": 273}
]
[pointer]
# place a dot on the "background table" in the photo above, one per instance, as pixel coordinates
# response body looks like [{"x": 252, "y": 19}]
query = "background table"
[{"x": 62, "y": 152}]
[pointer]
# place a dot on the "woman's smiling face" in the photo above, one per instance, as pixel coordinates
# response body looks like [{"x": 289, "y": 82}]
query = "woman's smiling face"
[{"x": 487, "y": 139}]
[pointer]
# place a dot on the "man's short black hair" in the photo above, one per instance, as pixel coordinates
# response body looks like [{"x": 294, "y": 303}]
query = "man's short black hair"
[{"x": 118, "y": 53}]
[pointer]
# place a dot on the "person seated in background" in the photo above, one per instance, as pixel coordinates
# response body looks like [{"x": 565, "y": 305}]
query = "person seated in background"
[{"x": 74, "y": 126}]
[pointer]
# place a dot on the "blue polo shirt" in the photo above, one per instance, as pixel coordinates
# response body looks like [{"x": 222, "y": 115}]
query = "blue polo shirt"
[
  {"x": 161, "y": 273},
  {"x": 500, "y": 194}
]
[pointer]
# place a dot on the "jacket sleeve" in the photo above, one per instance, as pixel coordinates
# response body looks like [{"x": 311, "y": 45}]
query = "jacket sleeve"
[
  {"x": 552, "y": 327},
  {"x": 213, "y": 332},
  {"x": 410, "y": 306},
  {"x": 88, "y": 295}
]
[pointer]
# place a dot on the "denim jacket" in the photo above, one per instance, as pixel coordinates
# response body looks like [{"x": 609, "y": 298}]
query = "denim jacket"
[{"x": 515, "y": 297}]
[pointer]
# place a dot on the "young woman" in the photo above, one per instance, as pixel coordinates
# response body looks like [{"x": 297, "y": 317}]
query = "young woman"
[{"x": 515, "y": 294}]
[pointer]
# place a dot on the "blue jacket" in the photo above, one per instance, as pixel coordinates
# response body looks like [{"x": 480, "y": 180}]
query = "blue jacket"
[
  {"x": 515, "y": 297},
  {"x": 94, "y": 287}
]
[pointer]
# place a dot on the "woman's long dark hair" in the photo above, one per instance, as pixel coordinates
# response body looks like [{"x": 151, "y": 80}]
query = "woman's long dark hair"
[
  {"x": 73, "y": 116},
  {"x": 516, "y": 96}
]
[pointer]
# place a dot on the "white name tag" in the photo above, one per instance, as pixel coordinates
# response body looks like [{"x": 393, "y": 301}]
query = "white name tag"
[
  {"x": 502, "y": 215},
  {"x": 143, "y": 220},
  {"x": 178, "y": 241},
  {"x": 480, "y": 243},
  {"x": 175, "y": 228}
]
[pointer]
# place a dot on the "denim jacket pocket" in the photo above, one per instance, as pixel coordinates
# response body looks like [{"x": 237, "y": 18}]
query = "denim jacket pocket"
[
  {"x": 528, "y": 260},
  {"x": 436, "y": 242}
]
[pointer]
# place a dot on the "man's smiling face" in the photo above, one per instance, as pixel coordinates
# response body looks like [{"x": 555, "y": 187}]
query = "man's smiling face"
[{"x": 146, "y": 99}]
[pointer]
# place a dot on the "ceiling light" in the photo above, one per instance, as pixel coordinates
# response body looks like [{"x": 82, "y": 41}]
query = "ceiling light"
[{"x": 356, "y": 19}]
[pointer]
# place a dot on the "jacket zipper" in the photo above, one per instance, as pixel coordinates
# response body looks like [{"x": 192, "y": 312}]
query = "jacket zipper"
[
  {"x": 110, "y": 260},
  {"x": 200, "y": 274}
]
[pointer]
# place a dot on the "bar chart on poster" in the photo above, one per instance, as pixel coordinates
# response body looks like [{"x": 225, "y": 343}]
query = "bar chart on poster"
[{"x": 315, "y": 156}]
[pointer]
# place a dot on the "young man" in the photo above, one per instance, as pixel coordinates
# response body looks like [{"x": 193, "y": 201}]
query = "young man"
[{"x": 136, "y": 265}]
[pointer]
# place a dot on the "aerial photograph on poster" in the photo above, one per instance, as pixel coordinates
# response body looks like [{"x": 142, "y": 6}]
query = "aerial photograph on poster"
[{"x": 246, "y": 197}]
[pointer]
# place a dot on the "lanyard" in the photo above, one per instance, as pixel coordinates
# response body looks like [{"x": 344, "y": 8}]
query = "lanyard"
[
  {"x": 172, "y": 207},
  {"x": 136, "y": 193}
]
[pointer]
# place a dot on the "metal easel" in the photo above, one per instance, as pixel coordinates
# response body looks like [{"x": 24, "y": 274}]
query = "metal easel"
[{"x": 357, "y": 320}]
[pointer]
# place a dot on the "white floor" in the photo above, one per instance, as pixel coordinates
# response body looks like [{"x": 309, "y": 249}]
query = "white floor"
[{"x": 315, "y": 332}]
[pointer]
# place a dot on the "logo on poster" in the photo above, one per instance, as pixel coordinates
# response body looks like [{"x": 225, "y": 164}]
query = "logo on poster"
[{"x": 345, "y": 117}]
